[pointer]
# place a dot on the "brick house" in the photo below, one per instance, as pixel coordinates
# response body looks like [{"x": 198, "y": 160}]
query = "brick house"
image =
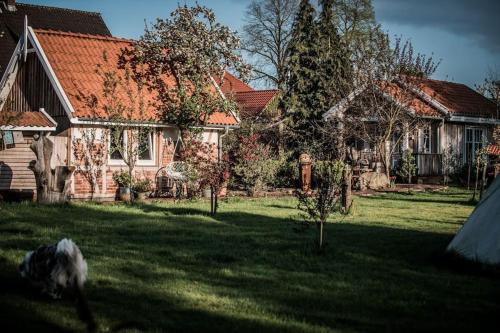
[{"x": 42, "y": 80}]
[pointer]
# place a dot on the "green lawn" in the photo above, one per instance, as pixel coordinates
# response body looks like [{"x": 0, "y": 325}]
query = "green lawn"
[{"x": 171, "y": 267}]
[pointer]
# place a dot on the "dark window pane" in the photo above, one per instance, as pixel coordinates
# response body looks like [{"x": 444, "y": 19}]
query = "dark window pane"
[
  {"x": 145, "y": 149},
  {"x": 115, "y": 139}
]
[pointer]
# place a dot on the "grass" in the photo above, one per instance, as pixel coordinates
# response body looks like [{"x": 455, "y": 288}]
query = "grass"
[{"x": 171, "y": 267}]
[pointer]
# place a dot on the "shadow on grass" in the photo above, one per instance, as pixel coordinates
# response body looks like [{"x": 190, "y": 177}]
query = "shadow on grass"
[
  {"x": 160, "y": 269},
  {"x": 419, "y": 199},
  {"x": 13, "y": 292}
]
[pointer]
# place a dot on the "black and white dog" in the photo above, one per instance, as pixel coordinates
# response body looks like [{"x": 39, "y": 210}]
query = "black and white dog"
[{"x": 57, "y": 268}]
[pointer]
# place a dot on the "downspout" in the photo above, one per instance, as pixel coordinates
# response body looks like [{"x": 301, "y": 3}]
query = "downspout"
[{"x": 226, "y": 132}]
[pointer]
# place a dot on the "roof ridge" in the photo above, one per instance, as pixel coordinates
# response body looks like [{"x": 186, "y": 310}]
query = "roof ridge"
[
  {"x": 257, "y": 91},
  {"x": 82, "y": 35},
  {"x": 60, "y": 8},
  {"x": 446, "y": 81}
]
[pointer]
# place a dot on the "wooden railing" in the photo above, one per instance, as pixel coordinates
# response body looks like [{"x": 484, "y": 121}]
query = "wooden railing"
[{"x": 428, "y": 164}]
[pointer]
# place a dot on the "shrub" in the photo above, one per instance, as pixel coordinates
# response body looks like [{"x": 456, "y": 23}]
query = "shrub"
[
  {"x": 122, "y": 178},
  {"x": 317, "y": 207},
  {"x": 407, "y": 167},
  {"x": 286, "y": 171},
  {"x": 142, "y": 185},
  {"x": 451, "y": 164},
  {"x": 251, "y": 163}
]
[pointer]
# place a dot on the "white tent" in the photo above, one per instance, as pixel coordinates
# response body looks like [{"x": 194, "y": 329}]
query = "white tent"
[{"x": 479, "y": 238}]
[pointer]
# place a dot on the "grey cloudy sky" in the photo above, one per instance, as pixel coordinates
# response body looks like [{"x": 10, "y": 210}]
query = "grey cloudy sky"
[{"x": 465, "y": 34}]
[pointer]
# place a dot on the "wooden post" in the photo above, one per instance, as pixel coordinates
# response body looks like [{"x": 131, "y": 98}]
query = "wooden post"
[{"x": 305, "y": 172}]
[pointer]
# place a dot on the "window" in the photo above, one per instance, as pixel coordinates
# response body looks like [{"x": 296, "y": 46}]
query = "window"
[
  {"x": 145, "y": 138},
  {"x": 426, "y": 140},
  {"x": 6, "y": 140},
  {"x": 474, "y": 140},
  {"x": 397, "y": 141},
  {"x": 116, "y": 144}
]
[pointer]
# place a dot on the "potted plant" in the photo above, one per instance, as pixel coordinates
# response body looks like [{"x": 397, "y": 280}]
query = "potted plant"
[
  {"x": 142, "y": 188},
  {"x": 124, "y": 181}
]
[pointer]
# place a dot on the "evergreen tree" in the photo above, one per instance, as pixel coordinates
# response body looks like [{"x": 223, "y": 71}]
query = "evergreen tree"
[
  {"x": 333, "y": 77},
  {"x": 301, "y": 67},
  {"x": 318, "y": 76}
]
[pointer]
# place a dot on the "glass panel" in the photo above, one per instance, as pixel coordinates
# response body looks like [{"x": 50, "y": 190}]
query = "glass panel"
[
  {"x": 469, "y": 135},
  {"x": 145, "y": 146},
  {"x": 115, "y": 139},
  {"x": 427, "y": 141},
  {"x": 478, "y": 135}
]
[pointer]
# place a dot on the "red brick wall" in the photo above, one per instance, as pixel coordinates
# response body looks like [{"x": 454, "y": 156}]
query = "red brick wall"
[{"x": 165, "y": 152}]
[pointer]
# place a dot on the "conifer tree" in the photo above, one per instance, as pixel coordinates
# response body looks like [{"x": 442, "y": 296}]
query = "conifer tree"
[
  {"x": 302, "y": 67},
  {"x": 299, "y": 63},
  {"x": 334, "y": 74},
  {"x": 318, "y": 75}
]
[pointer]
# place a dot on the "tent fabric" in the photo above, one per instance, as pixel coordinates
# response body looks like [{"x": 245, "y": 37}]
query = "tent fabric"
[{"x": 479, "y": 238}]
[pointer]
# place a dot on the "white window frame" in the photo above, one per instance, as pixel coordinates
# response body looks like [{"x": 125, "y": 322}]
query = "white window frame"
[
  {"x": 117, "y": 162},
  {"x": 475, "y": 143},
  {"x": 152, "y": 147},
  {"x": 421, "y": 142}
]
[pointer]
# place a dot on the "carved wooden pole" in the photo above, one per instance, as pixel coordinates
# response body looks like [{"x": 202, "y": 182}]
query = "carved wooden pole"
[
  {"x": 51, "y": 185},
  {"x": 305, "y": 172},
  {"x": 42, "y": 147}
]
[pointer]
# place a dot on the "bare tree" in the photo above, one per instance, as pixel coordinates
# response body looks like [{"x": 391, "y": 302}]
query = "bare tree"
[
  {"x": 91, "y": 152},
  {"x": 267, "y": 33},
  {"x": 490, "y": 88},
  {"x": 123, "y": 103}
]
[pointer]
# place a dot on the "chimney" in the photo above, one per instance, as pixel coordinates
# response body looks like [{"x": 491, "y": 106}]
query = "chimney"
[{"x": 10, "y": 5}]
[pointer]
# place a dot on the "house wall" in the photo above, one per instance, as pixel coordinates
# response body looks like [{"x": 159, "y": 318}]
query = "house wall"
[
  {"x": 32, "y": 90},
  {"x": 15, "y": 177},
  {"x": 14, "y": 172},
  {"x": 164, "y": 149}
]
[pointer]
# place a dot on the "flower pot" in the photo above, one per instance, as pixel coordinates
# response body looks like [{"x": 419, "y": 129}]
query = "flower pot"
[{"x": 125, "y": 194}]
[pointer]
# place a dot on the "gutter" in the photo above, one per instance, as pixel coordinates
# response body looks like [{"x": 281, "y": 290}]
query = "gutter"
[{"x": 90, "y": 121}]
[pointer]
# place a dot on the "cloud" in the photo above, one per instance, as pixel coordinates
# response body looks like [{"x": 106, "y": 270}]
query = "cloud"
[{"x": 478, "y": 20}]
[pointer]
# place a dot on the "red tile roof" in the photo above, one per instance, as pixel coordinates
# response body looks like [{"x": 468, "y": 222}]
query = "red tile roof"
[
  {"x": 252, "y": 103},
  {"x": 458, "y": 98},
  {"x": 74, "y": 58},
  {"x": 408, "y": 98},
  {"x": 232, "y": 84},
  {"x": 25, "y": 119},
  {"x": 493, "y": 150}
]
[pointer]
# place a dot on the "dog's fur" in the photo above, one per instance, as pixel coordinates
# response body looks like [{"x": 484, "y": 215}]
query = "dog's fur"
[{"x": 57, "y": 268}]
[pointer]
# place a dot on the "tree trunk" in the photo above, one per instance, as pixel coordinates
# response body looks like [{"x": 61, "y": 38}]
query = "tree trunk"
[
  {"x": 216, "y": 202},
  {"x": 320, "y": 240},
  {"x": 212, "y": 201},
  {"x": 475, "y": 185},
  {"x": 52, "y": 185},
  {"x": 483, "y": 182},
  {"x": 347, "y": 190}
]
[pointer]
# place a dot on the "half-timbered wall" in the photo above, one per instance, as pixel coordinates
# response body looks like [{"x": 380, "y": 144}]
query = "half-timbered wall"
[{"x": 33, "y": 90}]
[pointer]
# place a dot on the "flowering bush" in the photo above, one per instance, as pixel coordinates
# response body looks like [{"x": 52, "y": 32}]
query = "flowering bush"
[
  {"x": 253, "y": 164},
  {"x": 205, "y": 169}
]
